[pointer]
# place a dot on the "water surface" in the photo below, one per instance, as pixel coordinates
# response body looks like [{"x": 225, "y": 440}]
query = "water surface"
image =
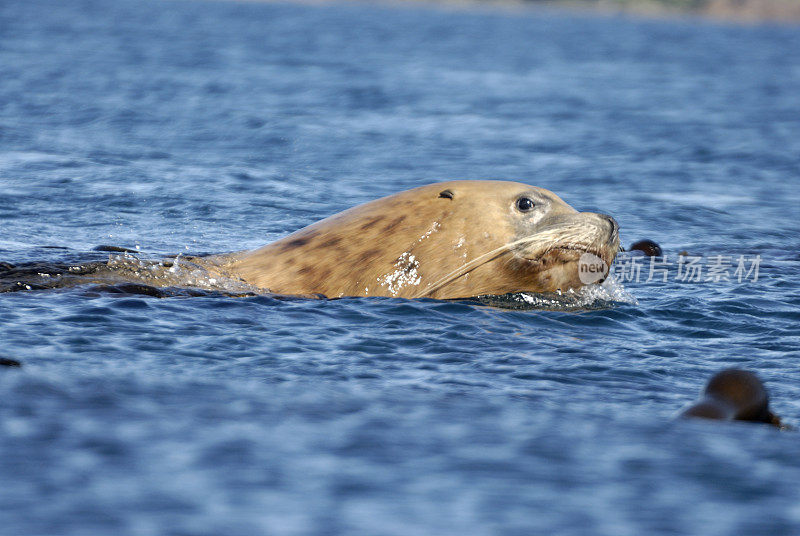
[{"x": 201, "y": 127}]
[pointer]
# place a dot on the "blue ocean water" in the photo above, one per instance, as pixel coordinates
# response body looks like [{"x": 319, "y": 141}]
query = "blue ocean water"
[{"x": 200, "y": 127}]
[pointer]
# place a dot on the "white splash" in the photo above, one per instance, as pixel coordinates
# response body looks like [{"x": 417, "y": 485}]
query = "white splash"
[
  {"x": 611, "y": 290},
  {"x": 434, "y": 228},
  {"x": 406, "y": 267},
  {"x": 179, "y": 272},
  {"x": 406, "y": 273}
]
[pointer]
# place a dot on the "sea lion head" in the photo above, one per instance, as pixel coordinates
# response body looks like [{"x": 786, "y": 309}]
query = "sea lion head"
[
  {"x": 447, "y": 240},
  {"x": 559, "y": 247},
  {"x": 541, "y": 244}
]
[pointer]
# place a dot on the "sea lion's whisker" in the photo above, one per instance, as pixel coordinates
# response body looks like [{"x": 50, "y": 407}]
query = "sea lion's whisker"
[
  {"x": 468, "y": 267},
  {"x": 552, "y": 239}
]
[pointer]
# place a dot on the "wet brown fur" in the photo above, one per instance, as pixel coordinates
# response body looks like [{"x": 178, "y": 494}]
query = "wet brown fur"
[{"x": 416, "y": 237}]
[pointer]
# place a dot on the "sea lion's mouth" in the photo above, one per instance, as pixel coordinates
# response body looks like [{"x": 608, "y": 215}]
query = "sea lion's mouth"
[
  {"x": 569, "y": 266},
  {"x": 575, "y": 238},
  {"x": 568, "y": 254}
]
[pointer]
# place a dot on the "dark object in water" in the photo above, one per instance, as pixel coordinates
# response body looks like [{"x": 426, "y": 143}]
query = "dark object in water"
[
  {"x": 113, "y": 249},
  {"x": 6, "y": 362},
  {"x": 139, "y": 289},
  {"x": 734, "y": 395},
  {"x": 42, "y": 275},
  {"x": 648, "y": 247},
  {"x": 134, "y": 289}
]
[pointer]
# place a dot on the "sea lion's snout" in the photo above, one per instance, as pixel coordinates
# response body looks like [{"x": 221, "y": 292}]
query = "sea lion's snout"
[
  {"x": 604, "y": 235},
  {"x": 613, "y": 227},
  {"x": 569, "y": 249},
  {"x": 605, "y": 241},
  {"x": 578, "y": 232}
]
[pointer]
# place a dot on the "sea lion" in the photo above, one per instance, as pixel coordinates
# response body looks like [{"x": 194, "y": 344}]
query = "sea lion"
[
  {"x": 447, "y": 240},
  {"x": 733, "y": 395}
]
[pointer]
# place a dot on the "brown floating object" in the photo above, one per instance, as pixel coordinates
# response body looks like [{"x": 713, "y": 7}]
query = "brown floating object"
[
  {"x": 114, "y": 249},
  {"x": 648, "y": 247},
  {"x": 733, "y": 395}
]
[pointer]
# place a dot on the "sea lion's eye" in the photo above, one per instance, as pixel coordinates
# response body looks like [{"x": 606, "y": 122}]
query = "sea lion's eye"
[{"x": 524, "y": 204}]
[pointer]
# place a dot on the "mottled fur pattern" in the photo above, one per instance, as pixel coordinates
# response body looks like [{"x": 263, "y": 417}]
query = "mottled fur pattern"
[{"x": 418, "y": 243}]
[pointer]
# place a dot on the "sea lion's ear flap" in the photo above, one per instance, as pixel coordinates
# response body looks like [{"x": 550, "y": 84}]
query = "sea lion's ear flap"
[{"x": 447, "y": 194}]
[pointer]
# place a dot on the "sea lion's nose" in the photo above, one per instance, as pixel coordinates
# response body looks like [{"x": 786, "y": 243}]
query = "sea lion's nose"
[
  {"x": 613, "y": 226},
  {"x": 613, "y": 223}
]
